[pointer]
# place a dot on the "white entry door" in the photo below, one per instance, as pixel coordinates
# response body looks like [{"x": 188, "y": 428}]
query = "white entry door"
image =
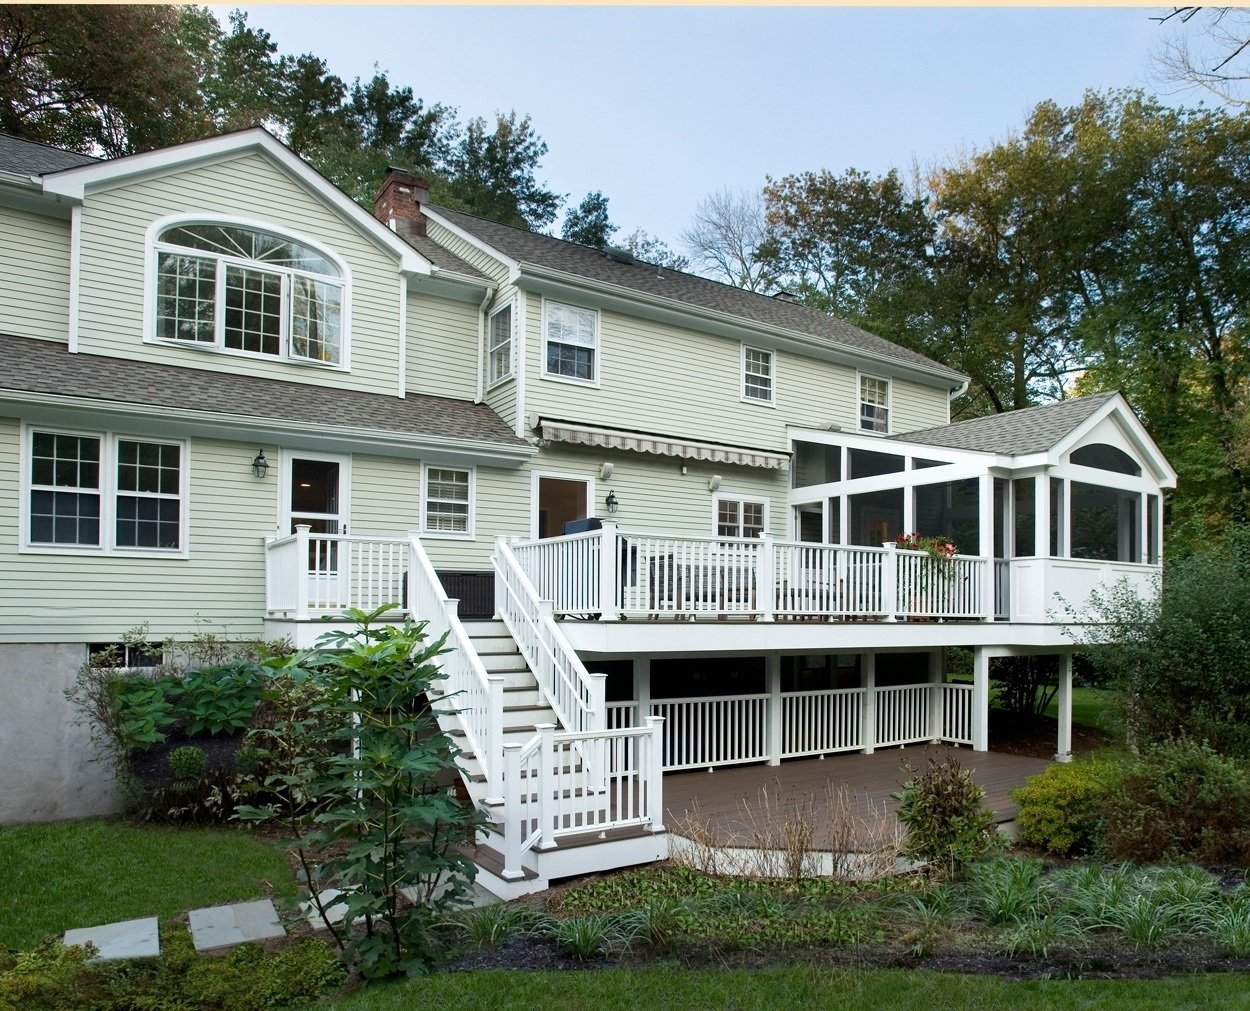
[{"x": 315, "y": 493}]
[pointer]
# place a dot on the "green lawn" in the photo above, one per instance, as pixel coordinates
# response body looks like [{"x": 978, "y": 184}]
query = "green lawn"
[
  {"x": 80, "y": 874},
  {"x": 811, "y": 987},
  {"x": 1088, "y": 707}
]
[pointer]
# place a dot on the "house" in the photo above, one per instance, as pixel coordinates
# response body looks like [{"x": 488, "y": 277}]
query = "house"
[{"x": 656, "y": 515}]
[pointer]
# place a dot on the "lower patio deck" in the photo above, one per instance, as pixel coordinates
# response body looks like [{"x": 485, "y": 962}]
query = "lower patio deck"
[{"x": 738, "y": 806}]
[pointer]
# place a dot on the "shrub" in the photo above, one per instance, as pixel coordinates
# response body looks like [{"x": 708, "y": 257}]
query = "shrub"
[
  {"x": 141, "y": 710},
  {"x": 187, "y": 762},
  {"x": 1180, "y": 800},
  {"x": 947, "y": 824},
  {"x": 220, "y": 699},
  {"x": 1061, "y": 809}
]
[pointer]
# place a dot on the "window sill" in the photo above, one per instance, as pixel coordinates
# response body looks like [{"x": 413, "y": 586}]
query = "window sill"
[
  {"x": 551, "y": 377},
  {"x": 85, "y": 551},
  {"x": 253, "y": 356},
  {"x": 759, "y": 403},
  {"x": 443, "y": 535},
  {"x": 510, "y": 377}
]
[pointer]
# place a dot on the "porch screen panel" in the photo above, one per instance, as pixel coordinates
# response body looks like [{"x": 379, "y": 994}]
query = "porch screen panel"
[
  {"x": 1105, "y": 524},
  {"x": 951, "y": 510},
  {"x": 866, "y": 463},
  {"x": 809, "y": 523},
  {"x": 1056, "y": 516},
  {"x": 1152, "y": 529},
  {"x": 816, "y": 463},
  {"x": 876, "y": 517},
  {"x": 1023, "y": 491}
]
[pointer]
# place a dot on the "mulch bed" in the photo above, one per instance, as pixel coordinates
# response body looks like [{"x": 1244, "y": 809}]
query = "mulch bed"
[{"x": 1038, "y": 736}]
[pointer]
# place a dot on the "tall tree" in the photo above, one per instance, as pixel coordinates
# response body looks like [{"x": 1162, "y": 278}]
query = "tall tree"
[
  {"x": 588, "y": 222},
  {"x": 725, "y": 237},
  {"x": 649, "y": 249},
  {"x": 492, "y": 172}
]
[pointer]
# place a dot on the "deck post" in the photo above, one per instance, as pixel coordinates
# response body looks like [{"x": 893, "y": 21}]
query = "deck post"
[
  {"x": 514, "y": 827},
  {"x": 500, "y": 588},
  {"x": 772, "y": 669},
  {"x": 548, "y": 774},
  {"x": 494, "y": 734},
  {"x": 301, "y": 571},
  {"x": 985, "y": 503},
  {"x": 608, "y": 579},
  {"x": 980, "y": 699},
  {"x": 642, "y": 689},
  {"x": 868, "y": 732},
  {"x": 599, "y": 700},
  {"x": 937, "y": 729},
  {"x": 655, "y": 773},
  {"x": 766, "y": 589},
  {"x": 1064, "y": 699},
  {"x": 889, "y": 581}
]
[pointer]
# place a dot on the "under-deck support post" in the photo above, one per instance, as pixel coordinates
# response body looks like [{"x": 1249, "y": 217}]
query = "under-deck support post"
[
  {"x": 772, "y": 671},
  {"x": 868, "y": 733},
  {"x": 642, "y": 689},
  {"x": 1064, "y": 700},
  {"x": 936, "y": 676},
  {"x": 980, "y": 699}
]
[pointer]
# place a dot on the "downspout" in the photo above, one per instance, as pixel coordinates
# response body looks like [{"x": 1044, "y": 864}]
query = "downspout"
[
  {"x": 481, "y": 343},
  {"x": 958, "y": 391}
]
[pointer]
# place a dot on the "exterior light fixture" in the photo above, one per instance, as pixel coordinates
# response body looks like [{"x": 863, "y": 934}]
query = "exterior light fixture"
[
  {"x": 713, "y": 483},
  {"x": 605, "y": 471},
  {"x": 260, "y": 466},
  {"x": 611, "y": 502}
]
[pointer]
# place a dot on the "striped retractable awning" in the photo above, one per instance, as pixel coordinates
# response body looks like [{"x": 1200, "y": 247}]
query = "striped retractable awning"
[{"x": 641, "y": 442}]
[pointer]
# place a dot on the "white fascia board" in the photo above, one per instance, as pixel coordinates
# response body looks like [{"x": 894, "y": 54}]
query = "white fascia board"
[
  {"x": 1133, "y": 430},
  {"x": 94, "y": 412},
  {"x": 456, "y": 287},
  {"x": 897, "y": 446},
  {"x": 75, "y": 183},
  {"x": 628, "y": 301},
  {"x": 478, "y": 244}
]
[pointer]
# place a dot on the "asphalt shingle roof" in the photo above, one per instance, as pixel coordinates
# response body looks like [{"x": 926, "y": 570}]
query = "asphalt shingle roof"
[
  {"x": 28, "y": 157},
  {"x": 38, "y": 366},
  {"x": 586, "y": 261},
  {"x": 443, "y": 258},
  {"x": 1013, "y": 433}
]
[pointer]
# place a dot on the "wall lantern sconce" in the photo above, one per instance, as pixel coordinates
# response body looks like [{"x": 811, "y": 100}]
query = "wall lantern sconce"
[
  {"x": 611, "y": 502},
  {"x": 605, "y": 471},
  {"x": 260, "y": 466},
  {"x": 713, "y": 482}
]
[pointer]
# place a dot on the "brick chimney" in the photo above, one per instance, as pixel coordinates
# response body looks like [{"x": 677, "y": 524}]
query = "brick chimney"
[{"x": 398, "y": 202}]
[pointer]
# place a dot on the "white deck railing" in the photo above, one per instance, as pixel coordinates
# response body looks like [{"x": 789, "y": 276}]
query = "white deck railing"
[
  {"x": 687, "y": 575},
  {"x": 575, "y": 695},
  {"x": 938, "y": 588},
  {"x": 564, "y": 570},
  {"x": 904, "y": 715},
  {"x": 821, "y": 722},
  {"x": 472, "y": 694},
  {"x": 704, "y": 732},
  {"x": 956, "y": 713},
  {"x": 309, "y": 574}
]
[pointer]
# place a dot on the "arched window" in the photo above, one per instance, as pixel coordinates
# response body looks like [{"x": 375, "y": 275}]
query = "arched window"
[
  {"x": 1103, "y": 457},
  {"x": 243, "y": 289}
]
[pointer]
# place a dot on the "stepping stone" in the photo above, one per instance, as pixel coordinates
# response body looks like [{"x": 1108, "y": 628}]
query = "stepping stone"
[
  {"x": 336, "y": 910},
  {"x": 224, "y": 926},
  {"x": 128, "y": 939}
]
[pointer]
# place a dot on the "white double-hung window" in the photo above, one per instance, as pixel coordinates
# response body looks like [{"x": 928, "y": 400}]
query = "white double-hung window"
[
  {"x": 571, "y": 342},
  {"x": 757, "y": 375},
  {"x": 228, "y": 287},
  {"x": 499, "y": 351},
  {"x": 104, "y": 492},
  {"x": 874, "y": 404},
  {"x": 447, "y": 501}
]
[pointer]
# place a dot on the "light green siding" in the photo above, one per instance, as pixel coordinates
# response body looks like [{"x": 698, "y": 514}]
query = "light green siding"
[
  {"x": 34, "y": 275},
  {"x": 114, "y": 254},
  {"x": 917, "y": 407},
  {"x": 442, "y": 347},
  {"x": 468, "y": 252},
  {"x": 385, "y": 495},
  {"x": 675, "y": 381},
  {"x": 219, "y": 588}
]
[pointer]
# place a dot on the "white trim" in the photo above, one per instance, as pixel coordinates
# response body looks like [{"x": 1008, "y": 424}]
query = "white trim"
[
  {"x": 402, "y": 379},
  {"x": 860, "y": 376},
  {"x": 558, "y": 475},
  {"x": 75, "y": 274},
  {"x": 468, "y": 534},
  {"x": 108, "y": 492},
  {"x": 76, "y": 183},
  {"x": 286, "y": 459},
  {"x": 772, "y": 376},
  {"x": 522, "y": 362},
  {"x": 729, "y": 496},
  {"x": 555, "y": 377},
  {"x": 508, "y": 305},
  {"x": 472, "y": 240},
  {"x": 1134, "y": 431}
]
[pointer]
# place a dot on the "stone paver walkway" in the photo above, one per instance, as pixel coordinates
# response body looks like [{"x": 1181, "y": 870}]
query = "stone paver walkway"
[
  {"x": 127, "y": 939},
  {"x": 223, "y": 926}
]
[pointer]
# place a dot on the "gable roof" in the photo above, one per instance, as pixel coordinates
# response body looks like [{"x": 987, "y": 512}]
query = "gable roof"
[
  {"x": 48, "y": 368},
  {"x": 528, "y": 247},
  {"x": 444, "y": 259},
  {"x": 1014, "y": 433},
  {"x": 31, "y": 158}
]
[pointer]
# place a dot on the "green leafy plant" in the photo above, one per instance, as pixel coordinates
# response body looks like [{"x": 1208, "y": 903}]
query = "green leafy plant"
[
  {"x": 220, "y": 699},
  {"x": 1061, "y": 810},
  {"x": 947, "y": 823},
  {"x": 499, "y": 922},
  {"x": 141, "y": 710},
  {"x": 187, "y": 762},
  {"x": 1007, "y": 889},
  {"x": 359, "y": 790},
  {"x": 588, "y": 937}
]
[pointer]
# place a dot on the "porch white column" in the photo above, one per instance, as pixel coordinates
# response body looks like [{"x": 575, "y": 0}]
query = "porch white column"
[
  {"x": 766, "y": 580},
  {"x": 936, "y": 676},
  {"x": 985, "y": 523},
  {"x": 772, "y": 670},
  {"x": 301, "y": 571},
  {"x": 868, "y": 667},
  {"x": 1041, "y": 516},
  {"x": 608, "y": 581},
  {"x": 642, "y": 689},
  {"x": 1064, "y": 699},
  {"x": 889, "y": 581},
  {"x": 980, "y": 699}
]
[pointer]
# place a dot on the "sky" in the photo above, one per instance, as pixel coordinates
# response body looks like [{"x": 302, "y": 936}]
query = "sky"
[{"x": 658, "y": 107}]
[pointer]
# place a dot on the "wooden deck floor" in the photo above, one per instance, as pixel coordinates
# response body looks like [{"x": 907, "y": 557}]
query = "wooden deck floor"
[{"x": 734, "y": 803}]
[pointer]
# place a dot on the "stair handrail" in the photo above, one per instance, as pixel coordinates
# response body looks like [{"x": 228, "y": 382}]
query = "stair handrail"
[
  {"x": 478, "y": 696},
  {"x": 577, "y": 697}
]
